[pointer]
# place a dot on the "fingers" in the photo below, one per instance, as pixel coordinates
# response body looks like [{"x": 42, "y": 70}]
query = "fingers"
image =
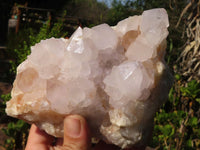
[
  {"x": 38, "y": 140},
  {"x": 76, "y": 136},
  {"x": 76, "y": 133}
]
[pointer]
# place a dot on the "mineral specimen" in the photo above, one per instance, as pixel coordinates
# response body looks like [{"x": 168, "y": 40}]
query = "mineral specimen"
[{"x": 115, "y": 77}]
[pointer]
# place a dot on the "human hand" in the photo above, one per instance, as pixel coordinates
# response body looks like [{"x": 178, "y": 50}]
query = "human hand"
[{"x": 76, "y": 137}]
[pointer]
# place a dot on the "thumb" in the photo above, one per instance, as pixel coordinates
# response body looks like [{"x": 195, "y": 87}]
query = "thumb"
[{"x": 76, "y": 134}]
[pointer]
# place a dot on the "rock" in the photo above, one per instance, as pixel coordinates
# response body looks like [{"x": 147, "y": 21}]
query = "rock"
[{"x": 115, "y": 77}]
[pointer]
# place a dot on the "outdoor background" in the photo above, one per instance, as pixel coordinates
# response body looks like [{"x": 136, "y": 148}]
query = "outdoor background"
[{"x": 25, "y": 22}]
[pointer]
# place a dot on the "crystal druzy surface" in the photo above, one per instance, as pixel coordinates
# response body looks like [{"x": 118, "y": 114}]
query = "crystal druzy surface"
[{"x": 115, "y": 77}]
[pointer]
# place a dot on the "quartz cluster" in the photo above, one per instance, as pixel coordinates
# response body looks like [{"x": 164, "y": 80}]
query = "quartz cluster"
[{"x": 115, "y": 77}]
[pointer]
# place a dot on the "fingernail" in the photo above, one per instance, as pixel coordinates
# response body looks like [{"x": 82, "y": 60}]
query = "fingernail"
[{"x": 72, "y": 127}]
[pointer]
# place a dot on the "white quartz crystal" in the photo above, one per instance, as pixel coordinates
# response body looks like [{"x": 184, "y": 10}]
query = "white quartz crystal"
[{"x": 113, "y": 76}]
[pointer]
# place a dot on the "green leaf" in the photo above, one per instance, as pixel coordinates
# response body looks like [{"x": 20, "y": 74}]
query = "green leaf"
[
  {"x": 170, "y": 95},
  {"x": 193, "y": 121},
  {"x": 192, "y": 89},
  {"x": 161, "y": 137},
  {"x": 8, "y": 141},
  {"x": 189, "y": 143},
  {"x": 177, "y": 77},
  {"x": 167, "y": 130},
  {"x": 171, "y": 45},
  {"x": 198, "y": 100}
]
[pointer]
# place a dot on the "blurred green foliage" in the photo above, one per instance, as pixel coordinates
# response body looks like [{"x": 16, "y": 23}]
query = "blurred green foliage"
[
  {"x": 22, "y": 49},
  {"x": 176, "y": 128},
  {"x": 88, "y": 11},
  {"x": 192, "y": 89},
  {"x": 16, "y": 130},
  {"x": 17, "y": 133},
  {"x": 5, "y": 98}
]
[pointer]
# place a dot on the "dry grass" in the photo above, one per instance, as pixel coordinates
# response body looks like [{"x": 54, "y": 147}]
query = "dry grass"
[{"x": 190, "y": 57}]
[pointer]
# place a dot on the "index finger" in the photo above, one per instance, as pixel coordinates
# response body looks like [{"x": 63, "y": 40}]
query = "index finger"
[{"x": 38, "y": 139}]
